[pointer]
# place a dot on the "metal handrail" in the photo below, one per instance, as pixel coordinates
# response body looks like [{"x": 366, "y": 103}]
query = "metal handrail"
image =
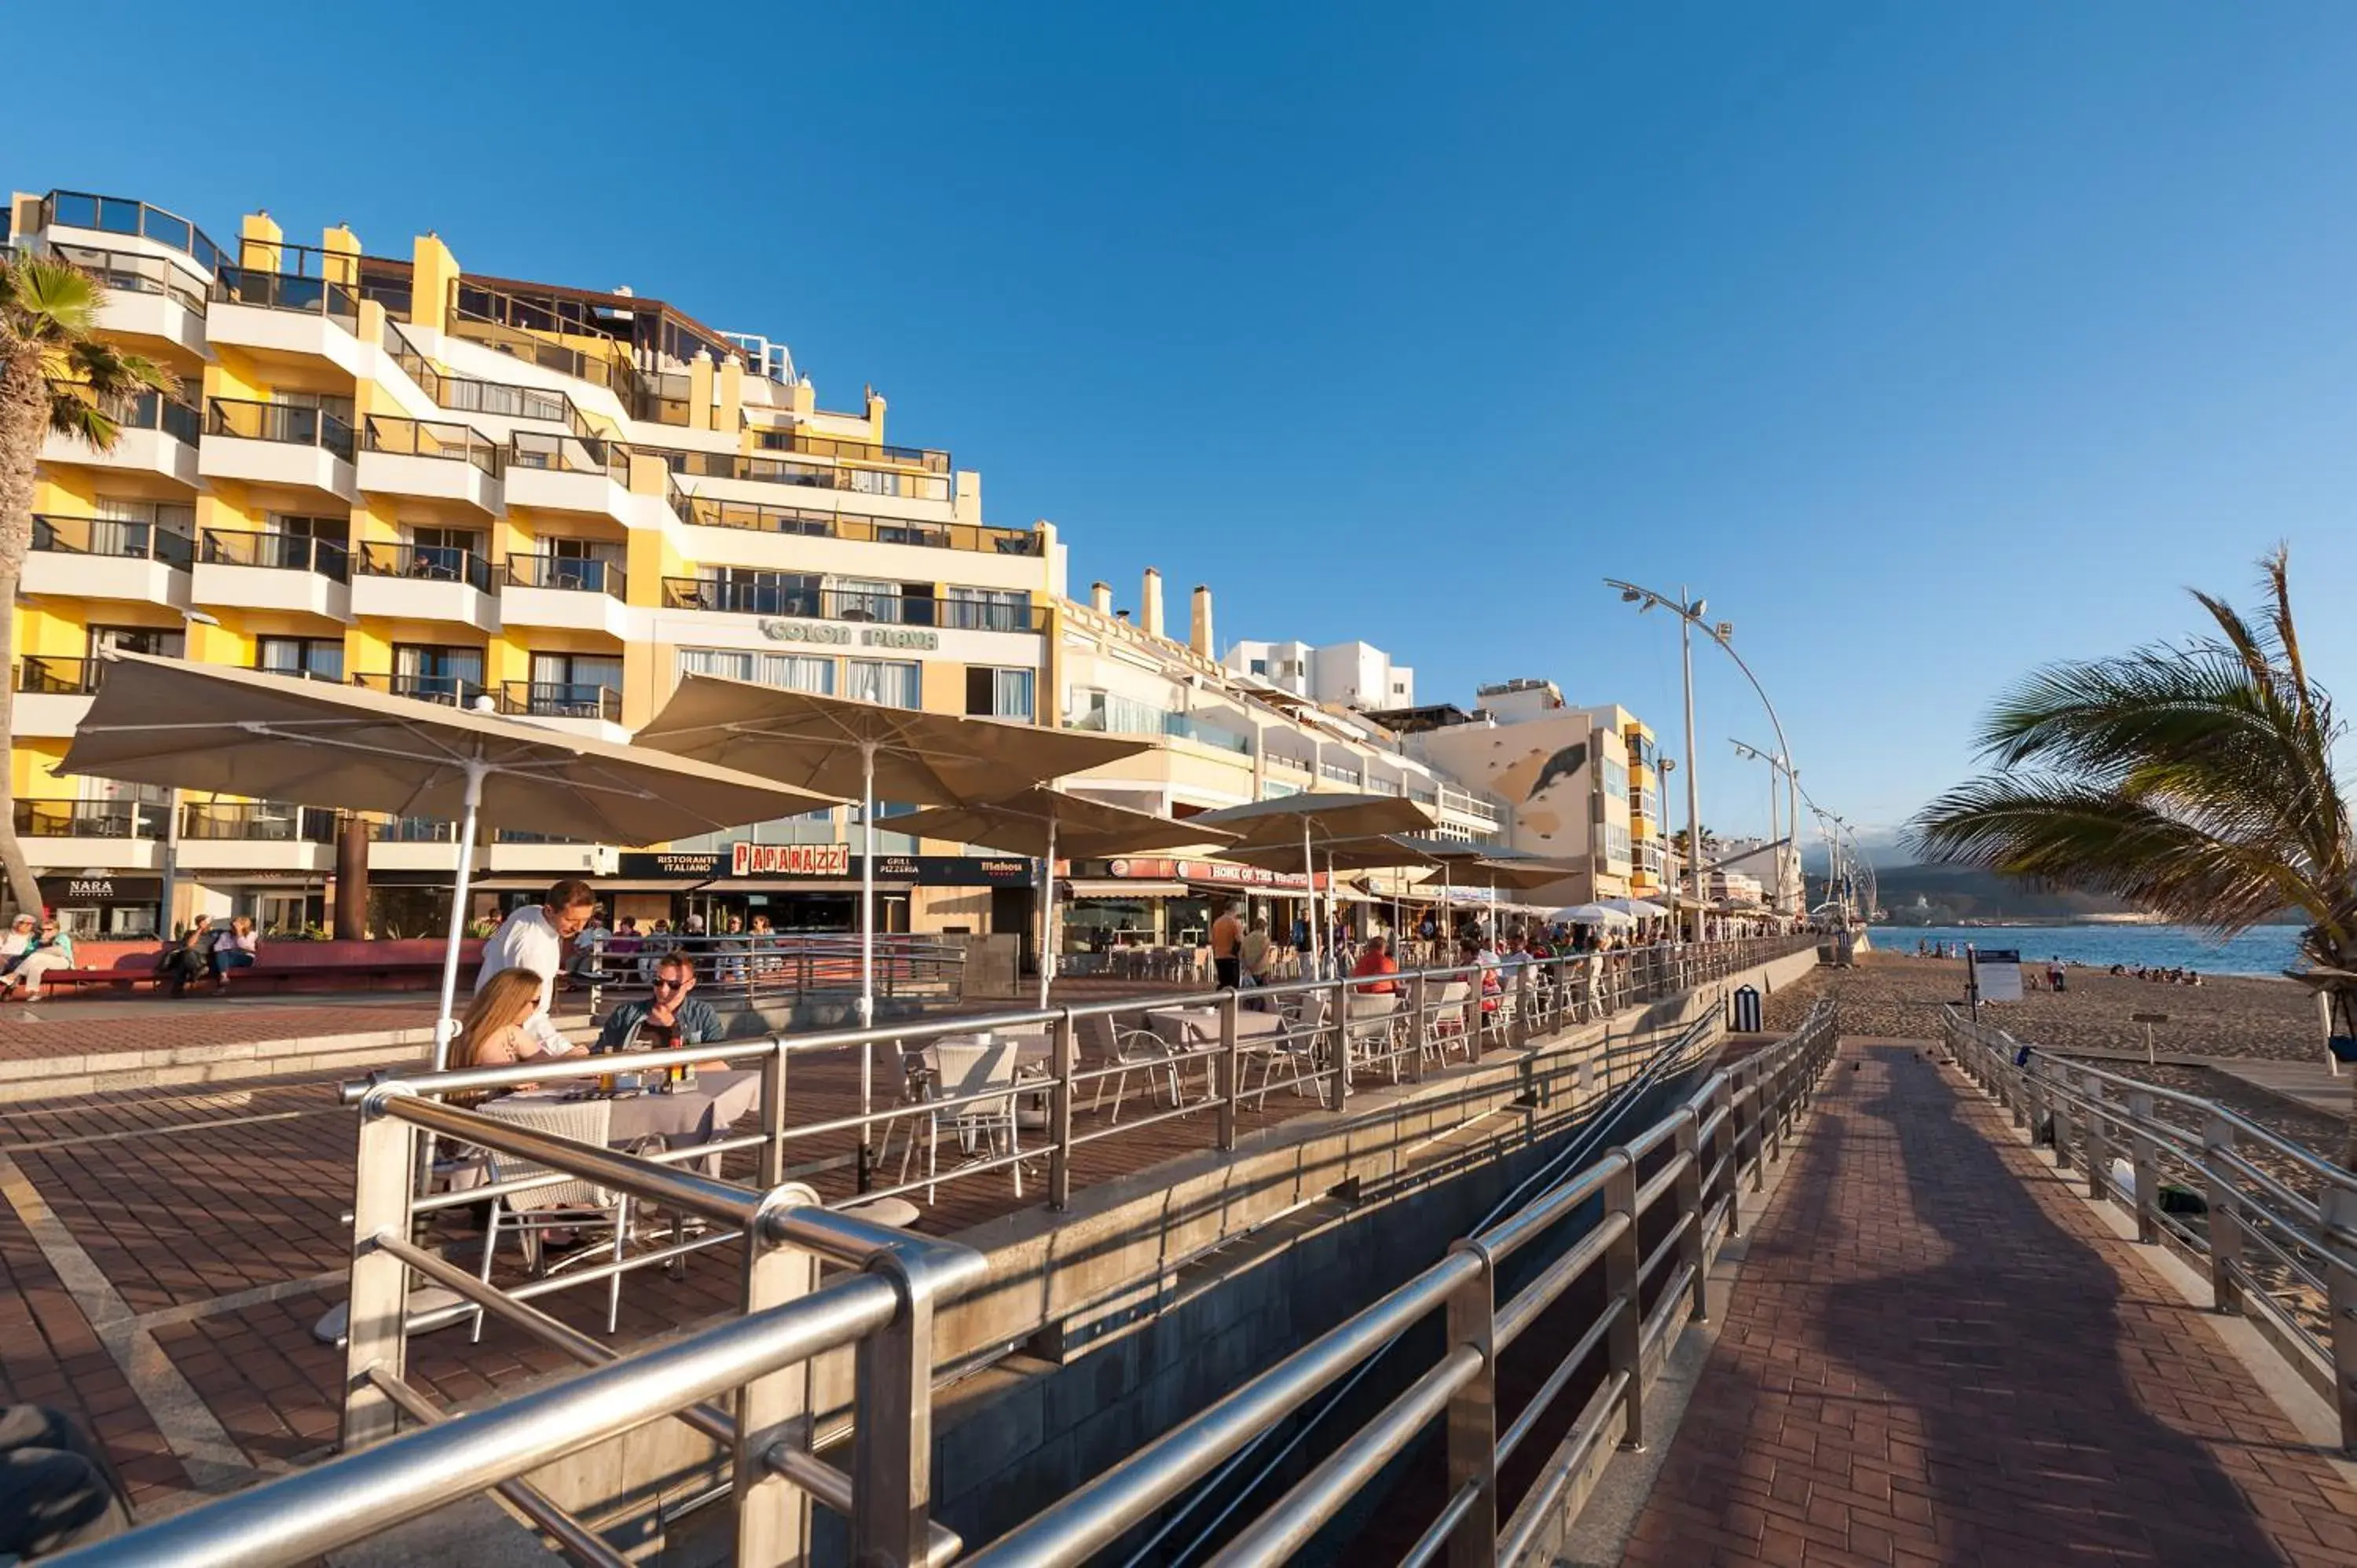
[
  {"x": 1461, "y": 1284},
  {"x": 2096, "y": 1114}
]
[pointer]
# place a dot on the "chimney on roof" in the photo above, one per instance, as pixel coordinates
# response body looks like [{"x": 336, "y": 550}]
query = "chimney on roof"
[
  {"x": 1150, "y": 604},
  {"x": 1100, "y": 597},
  {"x": 1199, "y": 631}
]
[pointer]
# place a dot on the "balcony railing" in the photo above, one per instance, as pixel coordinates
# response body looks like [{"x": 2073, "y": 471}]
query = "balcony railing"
[
  {"x": 257, "y": 823},
  {"x": 465, "y": 395},
  {"x": 440, "y": 830},
  {"x": 426, "y": 564},
  {"x": 146, "y": 411},
  {"x": 403, "y": 437},
  {"x": 290, "y": 424},
  {"x": 276, "y": 552},
  {"x": 849, "y": 605},
  {"x": 334, "y": 676},
  {"x": 548, "y": 453},
  {"x": 89, "y": 819},
  {"x": 118, "y": 539},
  {"x": 1120, "y": 716},
  {"x": 567, "y": 571},
  {"x": 55, "y": 677},
  {"x": 561, "y": 699},
  {"x": 810, "y": 476},
  {"x": 925, "y": 458},
  {"x": 712, "y": 512},
  {"x": 286, "y": 290},
  {"x": 457, "y": 690},
  {"x": 517, "y": 343},
  {"x": 121, "y": 215},
  {"x": 124, "y": 272}
]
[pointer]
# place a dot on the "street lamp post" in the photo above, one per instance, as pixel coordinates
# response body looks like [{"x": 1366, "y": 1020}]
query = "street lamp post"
[
  {"x": 1779, "y": 764},
  {"x": 1722, "y": 634}
]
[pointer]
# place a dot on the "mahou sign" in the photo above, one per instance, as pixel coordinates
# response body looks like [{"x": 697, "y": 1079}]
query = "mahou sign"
[{"x": 788, "y": 859}]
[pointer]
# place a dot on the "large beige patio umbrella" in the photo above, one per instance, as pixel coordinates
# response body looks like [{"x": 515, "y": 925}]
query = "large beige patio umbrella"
[
  {"x": 1046, "y": 823},
  {"x": 1311, "y": 818},
  {"x": 272, "y": 737}
]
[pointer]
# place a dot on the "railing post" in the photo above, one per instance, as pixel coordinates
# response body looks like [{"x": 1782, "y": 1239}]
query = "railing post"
[
  {"x": 2018, "y": 1081},
  {"x": 2148, "y": 1167},
  {"x": 2225, "y": 1215},
  {"x": 1687, "y": 1149},
  {"x": 1770, "y": 1100},
  {"x": 1338, "y": 1009},
  {"x": 892, "y": 1445},
  {"x": 1621, "y": 1262},
  {"x": 2099, "y": 1144},
  {"x": 1722, "y": 1098},
  {"x": 377, "y": 1319},
  {"x": 2338, "y": 1211},
  {"x": 1064, "y": 1047},
  {"x": 1472, "y": 1418},
  {"x": 1231, "y": 1068},
  {"x": 1419, "y": 1025},
  {"x": 1518, "y": 1030},
  {"x": 2057, "y": 1109},
  {"x": 772, "y": 1514},
  {"x": 773, "y": 1115}
]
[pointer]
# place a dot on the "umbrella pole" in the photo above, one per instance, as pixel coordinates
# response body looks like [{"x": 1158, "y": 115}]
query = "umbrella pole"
[
  {"x": 1048, "y": 917},
  {"x": 1309, "y": 900},
  {"x": 866, "y": 955},
  {"x": 446, "y": 1024}
]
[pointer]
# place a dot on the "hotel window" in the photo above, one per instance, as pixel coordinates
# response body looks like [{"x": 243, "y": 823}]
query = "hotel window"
[
  {"x": 888, "y": 682},
  {"x": 998, "y": 694},
  {"x": 441, "y": 553},
  {"x": 988, "y": 609},
  {"x": 793, "y": 671},
  {"x": 442, "y": 673},
  {"x": 308, "y": 658},
  {"x": 136, "y": 639},
  {"x": 745, "y": 591},
  {"x": 1260, "y": 666},
  {"x": 574, "y": 685}
]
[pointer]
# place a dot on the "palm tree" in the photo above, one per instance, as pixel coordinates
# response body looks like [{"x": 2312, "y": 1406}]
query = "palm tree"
[
  {"x": 56, "y": 377},
  {"x": 2193, "y": 781}
]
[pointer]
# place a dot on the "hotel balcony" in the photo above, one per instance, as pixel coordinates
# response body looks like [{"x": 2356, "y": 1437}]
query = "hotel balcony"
[
  {"x": 569, "y": 473},
  {"x": 91, "y": 835},
  {"x": 567, "y": 592},
  {"x": 711, "y": 511},
  {"x": 52, "y": 693},
  {"x": 273, "y": 571},
  {"x": 450, "y": 691},
  {"x": 109, "y": 558},
  {"x": 156, "y": 439},
  {"x": 256, "y": 836},
  {"x": 850, "y": 605},
  {"x": 899, "y": 483},
  {"x": 148, "y": 299},
  {"x": 590, "y": 710},
  {"x": 428, "y": 843},
  {"x": 414, "y": 582},
  {"x": 282, "y": 317},
  {"x": 280, "y": 444},
  {"x": 426, "y": 460}
]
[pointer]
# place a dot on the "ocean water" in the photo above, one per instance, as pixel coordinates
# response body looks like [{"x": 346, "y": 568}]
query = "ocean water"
[{"x": 2264, "y": 950}]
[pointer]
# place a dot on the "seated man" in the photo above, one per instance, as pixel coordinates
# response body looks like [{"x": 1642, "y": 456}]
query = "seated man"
[
  {"x": 1375, "y": 958},
  {"x": 670, "y": 1017}
]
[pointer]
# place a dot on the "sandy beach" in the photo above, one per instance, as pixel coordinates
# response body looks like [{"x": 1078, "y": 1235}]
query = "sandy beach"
[{"x": 1888, "y": 994}]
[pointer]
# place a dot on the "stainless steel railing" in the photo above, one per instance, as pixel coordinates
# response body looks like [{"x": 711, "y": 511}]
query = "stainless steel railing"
[
  {"x": 884, "y": 1310},
  {"x": 2285, "y": 1257},
  {"x": 750, "y": 968},
  {"x": 1693, "y": 1160}
]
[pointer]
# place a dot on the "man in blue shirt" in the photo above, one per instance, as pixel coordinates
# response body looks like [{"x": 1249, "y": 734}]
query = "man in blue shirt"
[{"x": 670, "y": 1017}]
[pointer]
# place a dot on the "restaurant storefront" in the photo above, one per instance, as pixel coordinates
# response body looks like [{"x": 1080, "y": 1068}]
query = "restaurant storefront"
[
  {"x": 815, "y": 888},
  {"x": 101, "y": 904},
  {"x": 1149, "y": 901}
]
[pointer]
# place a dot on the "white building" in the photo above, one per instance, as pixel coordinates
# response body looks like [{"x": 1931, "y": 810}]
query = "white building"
[{"x": 1348, "y": 674}]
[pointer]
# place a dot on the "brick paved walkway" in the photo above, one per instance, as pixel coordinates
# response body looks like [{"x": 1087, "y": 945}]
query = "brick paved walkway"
[{"x": 1938, "y": 1355}]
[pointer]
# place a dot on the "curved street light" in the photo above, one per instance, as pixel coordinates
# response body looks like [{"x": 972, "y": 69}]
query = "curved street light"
[
  {"x": 1691, "y": 616},
  {"x": 1776, "y": 764}
]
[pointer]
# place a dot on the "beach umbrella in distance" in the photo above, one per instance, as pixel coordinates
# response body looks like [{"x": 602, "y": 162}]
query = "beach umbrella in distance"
[
  {"x": 313, "y": 743},
  {"x": 1313, "y": 817},
  {"x": 1048, "y": 823},
  {"x": 1591, "y": 914}
]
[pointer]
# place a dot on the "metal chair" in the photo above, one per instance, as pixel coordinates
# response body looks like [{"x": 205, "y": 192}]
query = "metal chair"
[
  {"x": 566, "y": 1206},
  {"x": 1370, "y": 1021},
  {"x": 961, "y": 1070},
  {"x": 1305, "y": 1025},
  {"x": 1445, "y": 1029},
  {"x": 1131, "y": 1048}
]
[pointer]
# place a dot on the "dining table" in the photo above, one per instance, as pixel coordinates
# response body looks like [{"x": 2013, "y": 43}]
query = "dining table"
[
  {"x": 1194, "y": 1032},
  {"x": 701, "y": 1111}
]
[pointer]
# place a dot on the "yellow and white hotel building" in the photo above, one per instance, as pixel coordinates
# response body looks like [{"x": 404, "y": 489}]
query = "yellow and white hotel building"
[{"x": 390, "y": 471}]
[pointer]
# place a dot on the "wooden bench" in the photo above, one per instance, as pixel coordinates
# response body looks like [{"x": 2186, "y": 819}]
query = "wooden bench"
[{"x": 407, "y": 963}]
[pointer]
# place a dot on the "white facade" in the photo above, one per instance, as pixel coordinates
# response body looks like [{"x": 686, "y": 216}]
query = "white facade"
[
  {"x": 1759, "y": 861},
  {"x": 1348, "y": 674}
]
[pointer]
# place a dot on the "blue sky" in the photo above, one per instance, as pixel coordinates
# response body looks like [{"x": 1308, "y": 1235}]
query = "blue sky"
[{"x": 1930, "y": 341}]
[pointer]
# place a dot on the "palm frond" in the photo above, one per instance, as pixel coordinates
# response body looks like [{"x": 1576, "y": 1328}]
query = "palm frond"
[
  {"x": 113, "y": 374},
  {"x": 47, "y": 300},
  {"x": 77, "y": 416}
]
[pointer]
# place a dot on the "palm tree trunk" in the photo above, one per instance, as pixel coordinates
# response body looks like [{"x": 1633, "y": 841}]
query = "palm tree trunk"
[{"x": 24, "y": 416}]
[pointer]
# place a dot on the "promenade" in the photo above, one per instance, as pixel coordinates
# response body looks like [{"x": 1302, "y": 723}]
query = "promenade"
[{"x": 1939, "y": 1353}]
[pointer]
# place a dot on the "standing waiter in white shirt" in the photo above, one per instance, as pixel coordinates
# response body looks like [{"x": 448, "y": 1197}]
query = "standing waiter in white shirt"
[{"x": 534, "y": 937}]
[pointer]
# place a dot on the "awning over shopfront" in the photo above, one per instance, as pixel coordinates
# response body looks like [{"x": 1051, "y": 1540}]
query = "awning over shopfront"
[{"x": 1116, "y": 888}]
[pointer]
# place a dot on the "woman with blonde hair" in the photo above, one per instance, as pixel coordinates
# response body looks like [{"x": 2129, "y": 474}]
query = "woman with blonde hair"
[{"x": 492, "y": 1034}]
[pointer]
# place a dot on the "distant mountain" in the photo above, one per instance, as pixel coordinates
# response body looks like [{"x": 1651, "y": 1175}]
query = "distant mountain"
[{"x": 1944, "y": 895}]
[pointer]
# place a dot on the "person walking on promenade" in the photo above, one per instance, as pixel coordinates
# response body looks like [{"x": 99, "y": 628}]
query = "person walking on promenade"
[{"x": 1227, "y": 946}]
